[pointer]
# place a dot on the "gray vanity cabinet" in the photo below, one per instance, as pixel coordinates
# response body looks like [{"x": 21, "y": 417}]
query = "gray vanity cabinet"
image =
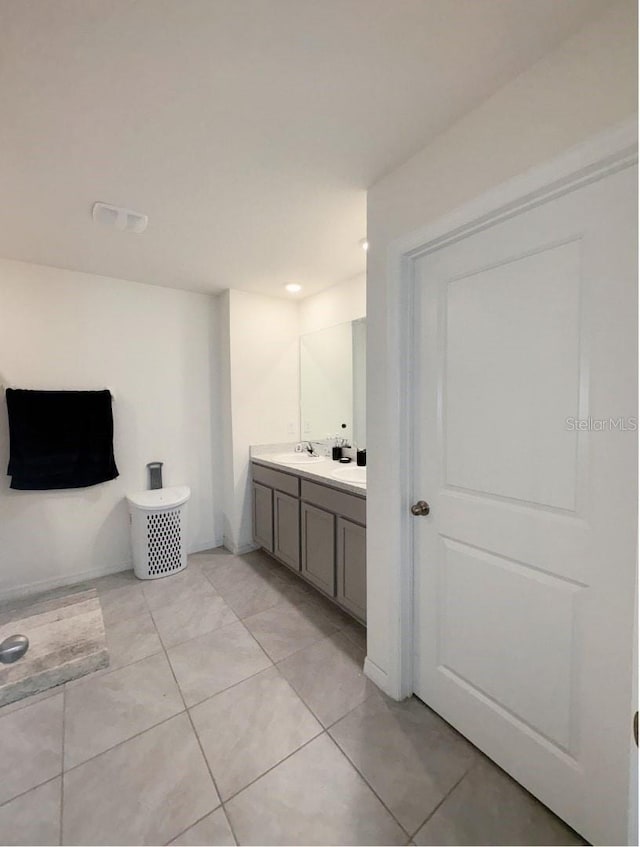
[
  {"x": 262, "y": 507},
  {"x": 286, "y": 529},
  {"x": 318, "y": 549},
  {"x": 351, "y": 560},
  {"x": 317, "y": 530}
]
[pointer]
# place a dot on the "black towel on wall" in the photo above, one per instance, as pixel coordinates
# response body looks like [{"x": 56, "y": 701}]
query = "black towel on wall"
[{"x": 60, "y": 439}]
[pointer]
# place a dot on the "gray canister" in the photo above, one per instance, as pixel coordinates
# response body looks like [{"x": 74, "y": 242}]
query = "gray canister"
[{"x": 155, "y": 475}]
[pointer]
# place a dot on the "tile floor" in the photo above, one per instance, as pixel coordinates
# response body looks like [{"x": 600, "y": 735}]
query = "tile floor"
[{"x": 235, "y": 711}]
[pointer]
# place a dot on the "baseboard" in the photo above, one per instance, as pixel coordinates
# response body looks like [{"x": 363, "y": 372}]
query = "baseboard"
[
  {"x": 93, "y": 573},
  {"x": 206, "y": 545},
  {"x": 246, "y": 548},
  {"x": 239, "y": 549},
  {"x": 43, "y": 585},
  {"x": 377, "y": 676}
]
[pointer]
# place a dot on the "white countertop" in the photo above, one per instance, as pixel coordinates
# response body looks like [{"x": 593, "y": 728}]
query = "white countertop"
[{"x": 316, "y": 472}]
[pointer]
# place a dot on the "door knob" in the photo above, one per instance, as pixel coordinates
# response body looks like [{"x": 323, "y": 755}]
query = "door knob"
[{"x": 420, "y": 508}]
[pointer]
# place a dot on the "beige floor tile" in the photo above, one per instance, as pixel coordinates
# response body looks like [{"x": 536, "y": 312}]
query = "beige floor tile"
[
  {"x": 328, "y": 676},
  {"x": 29, "y": 701},
  {"x": 128, "y": 640},
  {"x": 102, "y": 712},
  {"x": 408, "y": 755},
  {"x": 34, "y": 817},
  {"x": 173, "y": 588},
  {"x": 30, "y": 746},
  {"x": 121, "y": 579},
  {"x": 264, "y": 720},
  {"x": 298, "y": 592},
  {"x": 210, "y": 663},
  {"x": 284, "y": 629},
  {"x": 145, "y": 791},
  {"x": 238, "y": 569},
  {"x": 313, "y": 797},
  {"x": 147, "y": 781},
  {"x": 209, "y": 560},
  {"x": 488, "y": 807},
  {"x": 131, "y": 639},
  {"x": 252, "y": 597},
  {"x": 94, "y": 675},
  {"x": 194, "y": 614},
  {"x": 357, "y": 633},
  {"x": 211, "y": 552},
  {"x": 213, "y": 830},
  {"x": 294, "y": 589},
  {"x": 329, "y": 609},
  {"x": 247, "y": 588},
  {"x": 258, "y": 558},
  {"x": 123, "y": 603}
]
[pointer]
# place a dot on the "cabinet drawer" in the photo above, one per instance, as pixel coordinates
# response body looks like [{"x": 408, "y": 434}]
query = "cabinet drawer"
[
  {"x": 276, "y": 479},
  {"x": 347, "y": 505}
]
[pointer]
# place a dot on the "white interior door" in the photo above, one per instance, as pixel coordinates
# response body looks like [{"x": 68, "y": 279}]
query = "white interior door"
[{"x": 525, "y": 567}]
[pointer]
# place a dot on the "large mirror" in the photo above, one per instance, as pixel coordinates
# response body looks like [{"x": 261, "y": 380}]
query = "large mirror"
[{"x": 333, "y": 367}]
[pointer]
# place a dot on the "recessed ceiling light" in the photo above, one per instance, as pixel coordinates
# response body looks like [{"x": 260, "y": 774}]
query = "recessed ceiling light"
[
  {"x": 293, "y": 287},
  {"x": 364, "y": 244}
]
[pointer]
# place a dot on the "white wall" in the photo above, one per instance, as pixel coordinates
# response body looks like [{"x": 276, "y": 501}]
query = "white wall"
[
  {"x": 346, "y": 301},
  {"x": 154, "y": 348},
  {"x": 262, "y": 362},
  {"x": 583, "y": 87},
  {"x": 226, "y": 420}
]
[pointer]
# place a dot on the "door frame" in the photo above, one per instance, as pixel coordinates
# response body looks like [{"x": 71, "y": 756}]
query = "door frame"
[{"x": 605, "y": 153}]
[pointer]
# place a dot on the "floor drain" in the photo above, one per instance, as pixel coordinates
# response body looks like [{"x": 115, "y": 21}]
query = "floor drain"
[{"x": 13, "y": 648}]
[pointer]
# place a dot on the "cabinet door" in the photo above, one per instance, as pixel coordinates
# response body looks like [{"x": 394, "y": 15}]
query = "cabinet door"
[
  {"x": 286, "y": 529},
  {"x": 262, "y": 506},
  {"x": 352, "y": 567},
  {"x": 318, "y": 547}
]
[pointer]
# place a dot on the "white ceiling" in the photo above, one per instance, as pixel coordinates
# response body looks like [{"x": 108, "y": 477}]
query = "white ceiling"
[{"x": 248, "y": 130}]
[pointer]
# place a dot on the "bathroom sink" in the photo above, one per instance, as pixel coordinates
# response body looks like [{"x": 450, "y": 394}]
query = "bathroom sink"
[
  {"x": 352, "y": 473},
  {"x": 297, "y": 459}
]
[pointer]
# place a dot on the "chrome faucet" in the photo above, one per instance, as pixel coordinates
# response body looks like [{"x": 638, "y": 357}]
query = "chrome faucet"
[{"x": 310, "y": 449}]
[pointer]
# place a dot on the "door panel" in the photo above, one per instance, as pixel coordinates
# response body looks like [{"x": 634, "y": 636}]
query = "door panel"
[
  {"x": 286, "y": 524},
  {"x": 529, "y": 673},
  {"x": 262, "y": 515},
  {"x": 524, "y": 570},
  {"x": 318, "y": 547},
  {"x": 521, "y": 320},
  {"x": 352, "y": 567}
]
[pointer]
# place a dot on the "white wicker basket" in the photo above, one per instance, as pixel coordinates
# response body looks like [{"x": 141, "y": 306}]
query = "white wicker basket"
[{"x": 158, "y": 531}]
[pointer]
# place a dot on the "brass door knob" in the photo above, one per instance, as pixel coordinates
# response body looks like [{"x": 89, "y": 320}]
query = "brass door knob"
[{"x": 420, "y": 508}]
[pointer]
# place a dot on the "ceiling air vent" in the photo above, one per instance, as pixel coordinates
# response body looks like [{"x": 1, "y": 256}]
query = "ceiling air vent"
[{"x": 126, "y": 220}]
